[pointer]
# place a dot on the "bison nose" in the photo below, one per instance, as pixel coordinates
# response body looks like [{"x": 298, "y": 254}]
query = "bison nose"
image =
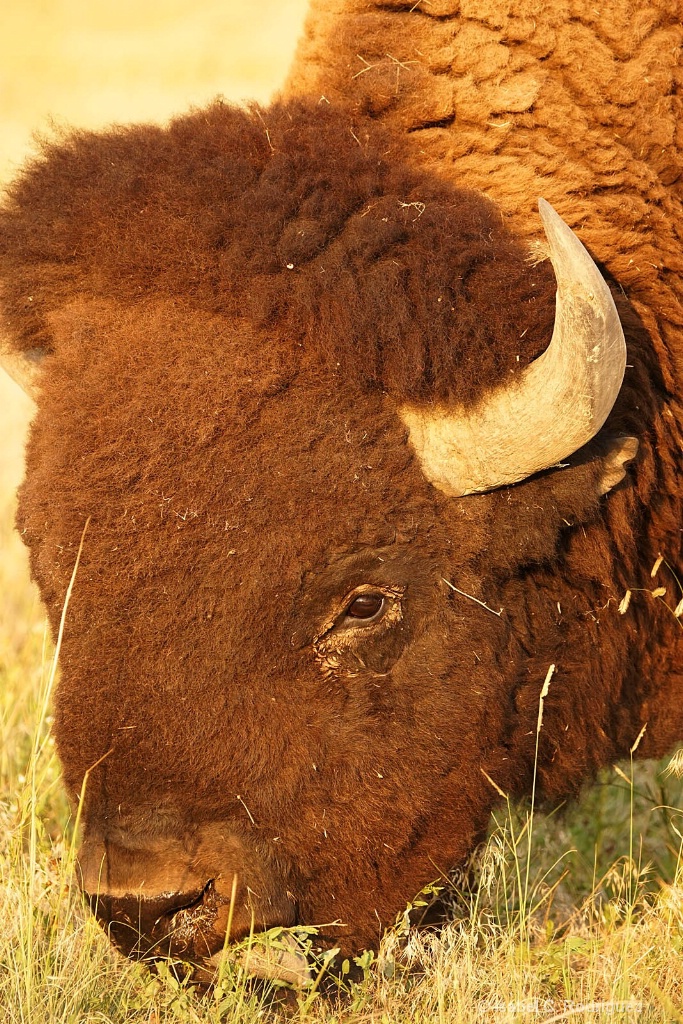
[
  {"x": 148, "y": 926},
  {"x": 168, "y": 897}
]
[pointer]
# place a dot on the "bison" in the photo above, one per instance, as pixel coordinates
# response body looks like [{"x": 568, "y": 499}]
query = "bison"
[{"x": 336, "y": 421}]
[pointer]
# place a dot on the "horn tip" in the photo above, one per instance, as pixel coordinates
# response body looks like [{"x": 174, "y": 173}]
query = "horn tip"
[{"x": 552, "y": 222}]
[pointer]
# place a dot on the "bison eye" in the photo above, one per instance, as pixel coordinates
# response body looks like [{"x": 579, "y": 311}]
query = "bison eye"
[{"x": 365, "y": 606}]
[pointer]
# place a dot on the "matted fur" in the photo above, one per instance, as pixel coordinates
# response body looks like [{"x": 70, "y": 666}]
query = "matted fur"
[{"x": 234, "y": 306}]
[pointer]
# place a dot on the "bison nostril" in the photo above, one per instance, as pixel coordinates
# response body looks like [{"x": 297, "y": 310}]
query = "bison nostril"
[{"x": 139, "y": 924}]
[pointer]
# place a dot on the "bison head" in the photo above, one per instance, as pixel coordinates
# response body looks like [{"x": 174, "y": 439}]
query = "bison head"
[{"x": 275, "y": 360}]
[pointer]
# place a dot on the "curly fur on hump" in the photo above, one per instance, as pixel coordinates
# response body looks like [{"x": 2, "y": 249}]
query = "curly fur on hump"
[
  {"x": 577, "y": 102},
  {"x": 283, "y": 217}
]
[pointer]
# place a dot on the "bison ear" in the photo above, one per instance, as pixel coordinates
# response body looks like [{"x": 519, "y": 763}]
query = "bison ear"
[
  {"x": 575, "y": 488},
  {"x": 529, "y": 523},
  {"x": 22, "y": 367},
  {"x": 617, "y": 452}
]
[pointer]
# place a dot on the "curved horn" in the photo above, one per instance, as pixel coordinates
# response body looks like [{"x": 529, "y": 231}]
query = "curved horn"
[
  {"x": 557, "y": 404},
  {"x": 22, "y": 367}
]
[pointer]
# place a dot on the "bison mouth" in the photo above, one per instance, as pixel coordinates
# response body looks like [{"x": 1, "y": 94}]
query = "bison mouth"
[{"x": 194, "y": 933}]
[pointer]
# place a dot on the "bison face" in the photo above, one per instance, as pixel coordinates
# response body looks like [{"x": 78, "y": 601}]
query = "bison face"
[
  {"x": 272, "y": 695},
  {"x": 277, "y": 368},
  {"x": 268, "y": 682}
]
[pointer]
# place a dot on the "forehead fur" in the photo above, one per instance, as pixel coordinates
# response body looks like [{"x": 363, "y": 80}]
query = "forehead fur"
[{"x": 293, "y": 219}]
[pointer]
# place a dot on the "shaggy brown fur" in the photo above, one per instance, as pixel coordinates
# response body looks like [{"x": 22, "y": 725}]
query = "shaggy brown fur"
[
  {"x": 283, "y": 218},
  {"x": 233, "y": 308}
]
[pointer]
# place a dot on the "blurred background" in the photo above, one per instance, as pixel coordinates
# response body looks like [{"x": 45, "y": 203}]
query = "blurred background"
[{"x": 67, "y": 62}]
